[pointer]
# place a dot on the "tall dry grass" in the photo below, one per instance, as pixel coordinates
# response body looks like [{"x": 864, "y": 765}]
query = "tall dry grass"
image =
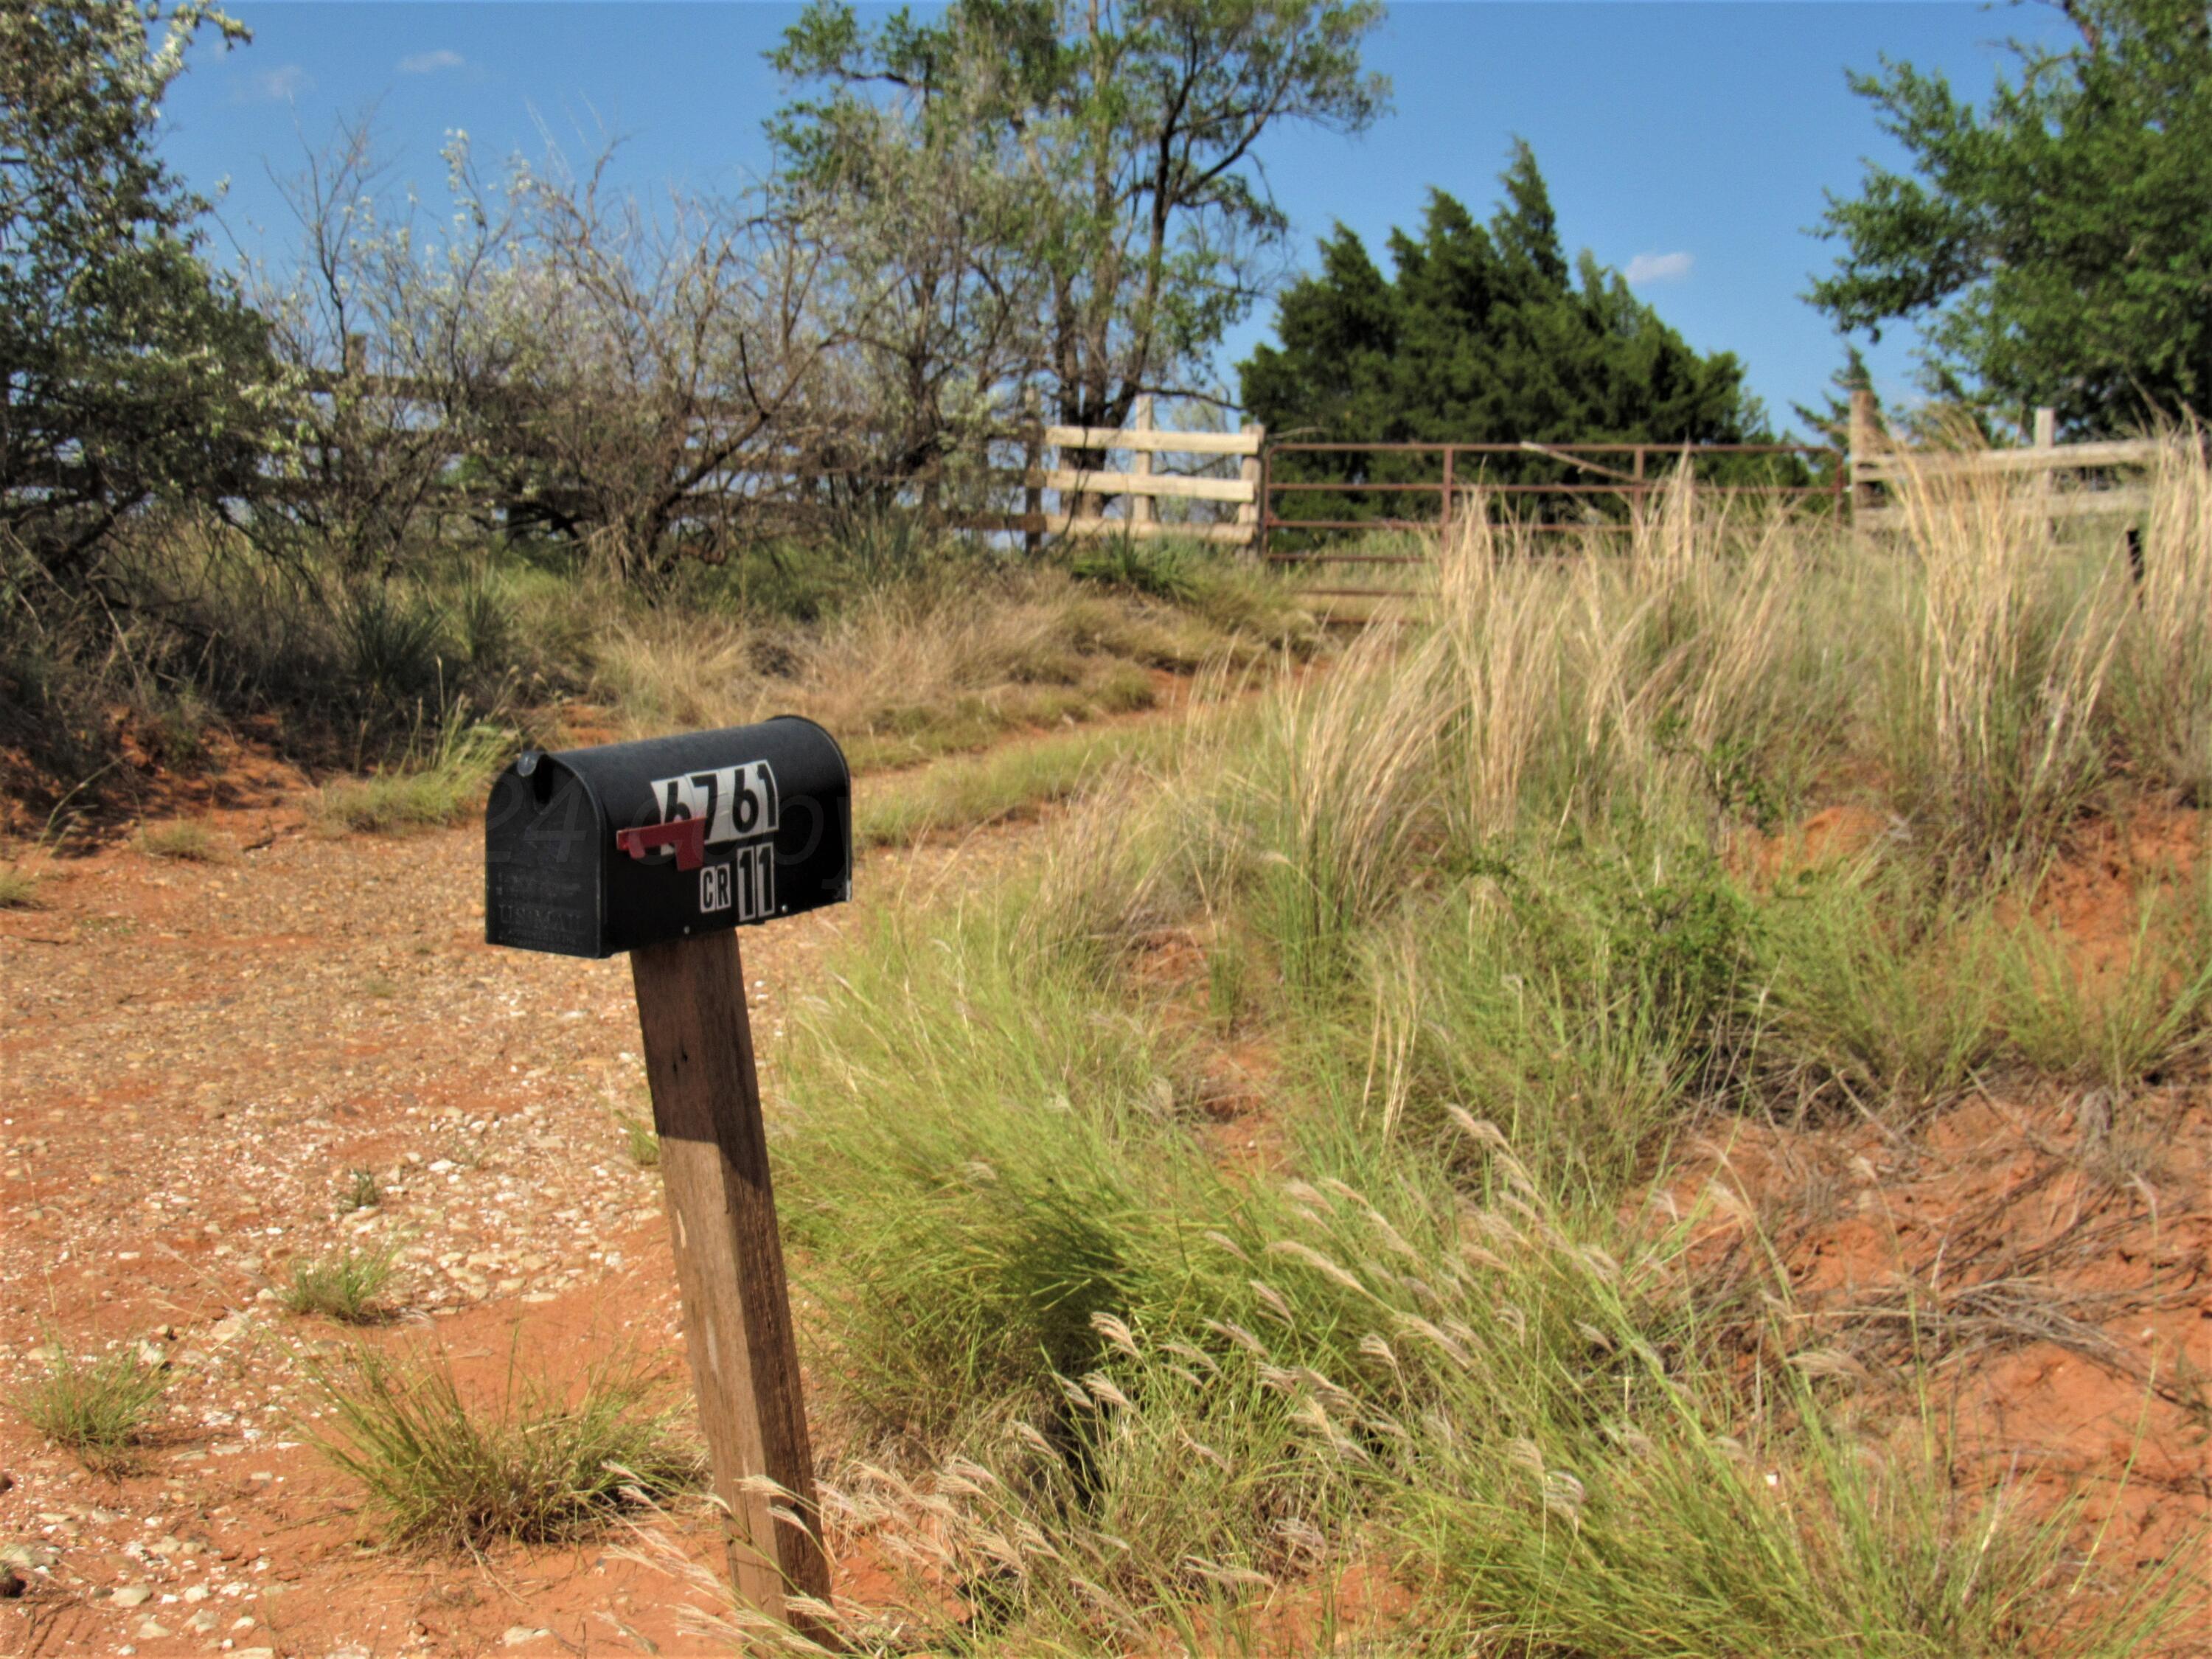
[
  {"x": 1119, "y": 1376},
  {"x": 2163, "y": 674},
  {"x": 932, "y": 667},
  {"x": 2009, "y": 653}
]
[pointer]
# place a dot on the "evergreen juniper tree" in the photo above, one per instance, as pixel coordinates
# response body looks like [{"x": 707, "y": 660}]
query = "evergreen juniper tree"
[{"x": 1482, "y": 334}]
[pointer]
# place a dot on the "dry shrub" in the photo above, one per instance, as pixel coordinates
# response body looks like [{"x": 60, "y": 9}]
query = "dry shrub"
[
  {"x": 667, "y": 672},
  {"x": 183, "y": 841},
  {"x": 906, "y": 673}
]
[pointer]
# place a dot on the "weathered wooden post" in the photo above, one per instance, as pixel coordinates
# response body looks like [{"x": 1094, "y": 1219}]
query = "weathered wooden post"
[
  {"x": 1143, "y": 509},
  {"x": 1032, "y": 432},
  {"x": 1252, "y": 472},
  {"x": 662, "y": 848},
  {"x": 1864, "y": 427},
  {"x": 2046, "y": 442}
]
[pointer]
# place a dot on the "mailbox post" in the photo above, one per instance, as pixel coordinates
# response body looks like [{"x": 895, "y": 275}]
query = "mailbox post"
[{"x": 663, "y": 848}]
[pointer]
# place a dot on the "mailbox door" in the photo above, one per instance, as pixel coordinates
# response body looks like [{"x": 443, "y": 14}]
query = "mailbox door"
[{"x": 544, "y": 879}]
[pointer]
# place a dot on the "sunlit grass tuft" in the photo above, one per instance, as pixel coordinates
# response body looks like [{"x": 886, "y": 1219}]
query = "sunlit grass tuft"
[
  {"x": 640, "y": 1140},
  {"x": 344, "y": 1284},
  {"x": 541, "y": 1463},
  {"x": 183, "y": 841},
  {"x": 96, "y": 1407},
  {"x": 446, "y": 786}
]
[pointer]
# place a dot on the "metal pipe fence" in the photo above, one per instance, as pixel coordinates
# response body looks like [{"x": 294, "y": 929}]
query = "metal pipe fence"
[{"x": 1602, "y": 489}]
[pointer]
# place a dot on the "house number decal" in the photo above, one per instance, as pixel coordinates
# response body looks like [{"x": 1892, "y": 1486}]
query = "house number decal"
[{"x": 736, "y": 802}]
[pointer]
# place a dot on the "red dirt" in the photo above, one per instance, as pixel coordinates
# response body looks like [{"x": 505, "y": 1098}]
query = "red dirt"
[
  {"x": 2049, "y": 1249},
  {"x": 2095, "y": 894},
  {"x": 2052, "y": 1257},
  {"x": 196, "y": 1055},
  {"x": 1834, "y": 835}
]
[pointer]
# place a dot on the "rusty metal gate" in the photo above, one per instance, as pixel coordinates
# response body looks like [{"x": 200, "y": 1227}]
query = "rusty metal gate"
[{"x": 1596, "y": 488}]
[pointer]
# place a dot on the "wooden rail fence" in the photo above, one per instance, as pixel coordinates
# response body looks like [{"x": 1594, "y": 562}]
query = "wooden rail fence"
[
  {"x": 1176, "y": 484},
  {"x": 1142, "y": 485},
  {"x": 1083, "y": 494},
  {"x": 1877, "y": 465}
]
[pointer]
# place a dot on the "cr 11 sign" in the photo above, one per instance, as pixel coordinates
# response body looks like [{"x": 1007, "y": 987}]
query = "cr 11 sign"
[{"x": 661, "y": 848}]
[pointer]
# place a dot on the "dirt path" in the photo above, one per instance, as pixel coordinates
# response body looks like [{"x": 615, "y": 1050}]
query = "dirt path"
[{"x": 194, "y": 1059}]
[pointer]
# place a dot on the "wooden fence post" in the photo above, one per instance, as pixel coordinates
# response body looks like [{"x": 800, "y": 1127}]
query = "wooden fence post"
[
  {"x": 1864, "y": 429},
  {"x": 2047, "y": 437},
  {"x": 1032, "y": 493},
  {"x": 1033, "y": 446},
  {"x": 1143, "y": 509},
  {"x": 1254, "y": 471},
  {"x": 1444, "y": 516},
  {"x": 729, "y": 1263}
]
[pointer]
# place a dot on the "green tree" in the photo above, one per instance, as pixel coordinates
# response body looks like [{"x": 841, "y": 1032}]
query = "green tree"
[
  {"x": 1104, "y": 154},
  {"x": 1484, "y": 334},
  {"x": 2054, "y": 248},
  {"x": 130, "y": 371}
]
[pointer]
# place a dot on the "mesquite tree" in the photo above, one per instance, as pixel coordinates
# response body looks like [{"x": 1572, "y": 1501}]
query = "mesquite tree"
[
  {"x": 1107, "y": 150},
  {"x": 130, "y": 370},
  {"x": 2054, "y": 247}
]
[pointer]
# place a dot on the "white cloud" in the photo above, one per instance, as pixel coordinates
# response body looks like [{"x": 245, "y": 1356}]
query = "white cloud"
[
  {"x": 429, "y": 62},
  {"x": 281, "y": 85},
  {"x": 1659, "y": 267}
]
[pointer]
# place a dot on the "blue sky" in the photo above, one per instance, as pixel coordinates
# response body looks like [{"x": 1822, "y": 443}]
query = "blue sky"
[{"x": 1686, "y": 141}]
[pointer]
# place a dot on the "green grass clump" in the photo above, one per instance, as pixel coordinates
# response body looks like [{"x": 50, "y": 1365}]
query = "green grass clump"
[
  {"x": 361, "y": 1192},
  {"x": 445, "y": 788},
  {"x": 1585, "y": 1001},
  {"x": 967, "y": 792},
  {"x": 183, "y": 841},
  {"x": 543, "y": 1465},
  {"x": 962, "y": 1252},
  {"x": 640, "y": 1140},
  {"x": 1883, "y": 989},
  {"x": 18, "y": 888},
  {"x": 96, "y": 1407},
  {"x": 2141, "y": 1015},
  {"x": 343, "y": 1285}
]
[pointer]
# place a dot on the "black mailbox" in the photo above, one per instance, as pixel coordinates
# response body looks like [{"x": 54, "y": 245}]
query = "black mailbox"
[{"x": 593, "y": 851}]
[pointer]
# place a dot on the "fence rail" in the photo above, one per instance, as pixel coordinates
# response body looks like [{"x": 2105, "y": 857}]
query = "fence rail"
[
  {"x": 1877, "y": 464},
  {"x": 1085, "y": 492},
  {"x": 1072, "y": 481},
  {"x": 1462, "y": 470}
]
